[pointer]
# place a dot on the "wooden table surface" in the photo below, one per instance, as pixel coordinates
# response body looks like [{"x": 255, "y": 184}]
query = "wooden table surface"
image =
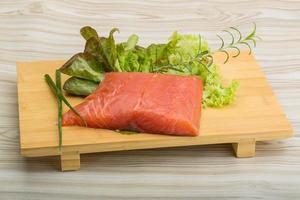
[{"x": 39, "y": 30}]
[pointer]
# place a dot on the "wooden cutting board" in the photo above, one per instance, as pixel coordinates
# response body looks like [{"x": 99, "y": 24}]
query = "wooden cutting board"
[{"x": 255, "y": 116}]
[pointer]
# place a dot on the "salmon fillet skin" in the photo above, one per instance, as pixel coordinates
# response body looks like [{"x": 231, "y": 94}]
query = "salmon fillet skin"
[{"x": 142, "y": 102}]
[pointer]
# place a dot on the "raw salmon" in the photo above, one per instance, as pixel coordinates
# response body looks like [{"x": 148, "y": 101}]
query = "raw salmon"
[{"x": 142, "y": 102}]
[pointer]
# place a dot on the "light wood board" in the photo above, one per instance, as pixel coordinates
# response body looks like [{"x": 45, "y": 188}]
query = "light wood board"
[{"x": 255, "y": 116}]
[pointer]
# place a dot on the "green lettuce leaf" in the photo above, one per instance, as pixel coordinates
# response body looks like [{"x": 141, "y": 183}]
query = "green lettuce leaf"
[
  {"x": 131, "y": 42},
  {"x": 78, "y": 86},
  {"x": 108, "y": 51},
  {"x": 184, "y": 48},
  {"x": 129, "y": 61},
  {"x": 214, "y": 93},
  {"x": 84, "y": 65},
  {"x": 103, "y": 49},
  {"x": 131, "y": 57},
  {"x": 87, "y": 32}
]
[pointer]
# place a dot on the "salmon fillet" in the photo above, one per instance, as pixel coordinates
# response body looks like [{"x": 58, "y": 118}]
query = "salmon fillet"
[{"x": 142, "y": 102}]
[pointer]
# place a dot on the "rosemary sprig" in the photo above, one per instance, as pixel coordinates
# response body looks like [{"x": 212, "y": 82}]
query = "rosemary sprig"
[
  {"x": 235, "y": 43},
  {"x": 205, "y": 58}
]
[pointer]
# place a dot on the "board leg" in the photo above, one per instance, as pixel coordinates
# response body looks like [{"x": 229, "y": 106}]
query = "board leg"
[
  {"x": 244, "y": 148},
  {"x": 70, "y": 161}
]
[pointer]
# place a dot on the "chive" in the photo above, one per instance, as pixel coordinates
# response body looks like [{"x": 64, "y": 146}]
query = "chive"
[
  {"x": 56, "y": 88},
  {"x": 59, "y": 105},
  {"x": 60, "y": 95}
]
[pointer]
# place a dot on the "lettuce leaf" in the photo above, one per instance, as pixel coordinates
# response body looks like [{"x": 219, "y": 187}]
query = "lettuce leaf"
[
  {"x": 128, "y": 57},
  {"x": 108, "y": 51},
  {"x": 100, "y": 55},
  {"x": 85, "y": 66},
  {"x": 78, "y": 86},
  {"x": 88, "y": 32},
  {"x": 131, "y": 42},
  {"x": 186, "y": 47},
  {"x": 214, "y": 93},
  {"x": 103, "y": 49}
]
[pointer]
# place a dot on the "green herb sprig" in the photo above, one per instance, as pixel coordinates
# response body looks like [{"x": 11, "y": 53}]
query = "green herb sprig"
[
  {"x": 56, "y": 89},
  {"x": 59, "y": 107},
  {"x": 235, "y": 43}
]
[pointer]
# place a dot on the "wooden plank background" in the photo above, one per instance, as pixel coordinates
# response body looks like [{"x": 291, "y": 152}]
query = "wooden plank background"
[{"x": 39, "y": 30}]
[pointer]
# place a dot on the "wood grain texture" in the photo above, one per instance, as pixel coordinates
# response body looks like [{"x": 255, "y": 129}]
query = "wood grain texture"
[{"x": 43, "y": 30}]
